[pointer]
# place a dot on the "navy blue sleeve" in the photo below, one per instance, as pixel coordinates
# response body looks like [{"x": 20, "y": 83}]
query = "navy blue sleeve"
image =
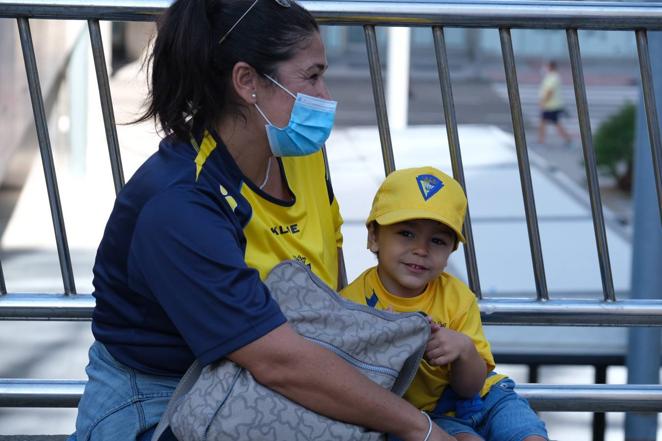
[{"x": 187, "y": 253}]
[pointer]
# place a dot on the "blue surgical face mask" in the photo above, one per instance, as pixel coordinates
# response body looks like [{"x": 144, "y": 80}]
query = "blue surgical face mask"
[{"x": 310, "y": 125}]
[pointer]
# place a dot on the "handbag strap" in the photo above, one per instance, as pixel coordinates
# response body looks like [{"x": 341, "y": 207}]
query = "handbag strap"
[{"x": 184, "y": 385}]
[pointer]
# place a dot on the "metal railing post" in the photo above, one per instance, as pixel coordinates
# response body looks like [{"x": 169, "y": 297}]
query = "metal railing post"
[
  {"x": 380, "y": 98},
  {"x": 523, "y": 163},
  {"x": 590, "y": 165},
  {"x": 651, "y": 111},
  {"x": 643, "y": 350},
  {"x": 106, "y": 104},
  {"x": 455, "y": 153},
  {"x": 3, "y": 287},
  {"x": 46, "y": 154}
]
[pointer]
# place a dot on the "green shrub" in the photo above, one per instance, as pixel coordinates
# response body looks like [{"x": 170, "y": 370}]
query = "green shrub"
[{"x": 614, "y": 145}]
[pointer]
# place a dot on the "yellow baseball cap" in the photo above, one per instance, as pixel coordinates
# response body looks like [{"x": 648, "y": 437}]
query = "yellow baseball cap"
[{"x": 420, "y": 193}]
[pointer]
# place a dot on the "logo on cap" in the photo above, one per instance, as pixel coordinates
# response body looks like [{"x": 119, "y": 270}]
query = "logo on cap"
[{"x": 429, "y": 185}]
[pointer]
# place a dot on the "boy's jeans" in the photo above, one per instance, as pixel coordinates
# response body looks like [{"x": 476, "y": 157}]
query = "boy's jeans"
[{"x": 505, "y": 417}]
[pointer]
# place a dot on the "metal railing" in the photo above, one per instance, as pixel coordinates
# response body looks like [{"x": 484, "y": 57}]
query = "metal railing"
[
  {"x": 593, "y": 398},
  {"x": 569, "y": 16}
]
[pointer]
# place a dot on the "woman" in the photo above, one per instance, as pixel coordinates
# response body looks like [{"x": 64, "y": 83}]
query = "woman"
[{"x": 237, "y": 185}]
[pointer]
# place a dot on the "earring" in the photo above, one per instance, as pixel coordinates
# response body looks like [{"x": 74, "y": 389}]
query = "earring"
[{"x": 254, "y": 96}]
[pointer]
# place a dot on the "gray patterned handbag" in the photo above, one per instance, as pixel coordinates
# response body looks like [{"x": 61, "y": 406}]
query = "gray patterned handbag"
[{"x": 224, "y": 402}]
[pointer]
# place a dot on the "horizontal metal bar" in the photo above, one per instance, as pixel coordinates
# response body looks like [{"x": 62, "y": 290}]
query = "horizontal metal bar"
[
  {"x": 120, "y": 10},
  {"x": 543, "y": 397},
  {"x": 593, "y": 397},
  {"x": 40, "y": 393},
  {"x": 46, "y": 307},
  {"x": 566, "y": 312},
  {"x": 523, "y": 14}
]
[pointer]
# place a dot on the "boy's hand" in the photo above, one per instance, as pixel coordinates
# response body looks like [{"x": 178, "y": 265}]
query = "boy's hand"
[{"x": 445, "y": 345}]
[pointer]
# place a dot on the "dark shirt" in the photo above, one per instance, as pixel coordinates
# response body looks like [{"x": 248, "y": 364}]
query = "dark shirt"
[{"x": 171, "y": 283}]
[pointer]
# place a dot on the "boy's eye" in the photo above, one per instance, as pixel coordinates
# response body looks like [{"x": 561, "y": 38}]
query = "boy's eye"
[
  {"x": 405, "y": 233},
  {"x": 439, "y": 241}
]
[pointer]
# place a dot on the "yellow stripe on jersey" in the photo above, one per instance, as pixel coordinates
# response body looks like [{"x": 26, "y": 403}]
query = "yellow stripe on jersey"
[
  {"x": 208, "y": 145},
  {"x": 228, "y": 198},
  {"x": 448, "y": 302}
]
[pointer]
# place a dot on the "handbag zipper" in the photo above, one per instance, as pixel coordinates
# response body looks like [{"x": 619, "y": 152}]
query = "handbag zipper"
[{"x": 353, "y": 361}]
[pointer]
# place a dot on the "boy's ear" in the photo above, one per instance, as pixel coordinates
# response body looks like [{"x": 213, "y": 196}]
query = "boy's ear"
[{"x": 372, "y": 238}]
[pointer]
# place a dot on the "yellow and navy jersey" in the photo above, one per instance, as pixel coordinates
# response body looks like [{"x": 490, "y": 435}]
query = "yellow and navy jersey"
[
  {"x": 449, "y": 303},
  {"x": 306, "y": 228},
  {"x": 178, "y": 273}
]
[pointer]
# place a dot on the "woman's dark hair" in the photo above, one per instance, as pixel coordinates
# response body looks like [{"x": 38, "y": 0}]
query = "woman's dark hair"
[{"x": 191, "y": 72}]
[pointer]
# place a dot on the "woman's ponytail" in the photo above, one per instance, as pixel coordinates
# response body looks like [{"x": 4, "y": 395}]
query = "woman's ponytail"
[{"x": 180, "y": 66}]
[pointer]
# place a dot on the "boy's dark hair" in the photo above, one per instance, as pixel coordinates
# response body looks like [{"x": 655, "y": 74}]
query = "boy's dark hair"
[{"x": 191, "y": 71}]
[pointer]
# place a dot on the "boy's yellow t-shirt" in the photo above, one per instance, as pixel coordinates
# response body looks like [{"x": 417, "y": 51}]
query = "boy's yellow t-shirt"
[{"x": 448, "y": 302}]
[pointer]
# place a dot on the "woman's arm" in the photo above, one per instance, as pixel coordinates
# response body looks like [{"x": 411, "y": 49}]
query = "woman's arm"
[{"x": 319, "y": 380}]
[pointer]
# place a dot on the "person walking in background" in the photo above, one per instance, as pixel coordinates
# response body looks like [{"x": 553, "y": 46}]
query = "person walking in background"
[{"x": 551, "y": 103}]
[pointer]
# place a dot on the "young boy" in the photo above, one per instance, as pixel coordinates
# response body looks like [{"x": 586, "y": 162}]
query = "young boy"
[{"x": 413, "y": 227}]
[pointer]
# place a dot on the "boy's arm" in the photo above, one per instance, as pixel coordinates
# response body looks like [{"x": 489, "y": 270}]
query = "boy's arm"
[
  {"x": 468, "y": 369},
  {"x": 468, "y": 372},
  {"x": 472, "y": 359}
]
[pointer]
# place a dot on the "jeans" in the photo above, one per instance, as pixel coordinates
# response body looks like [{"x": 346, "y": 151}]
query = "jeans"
[
  {"x": 505, "y": 417},
  {"x": 119, "y": 403}
]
